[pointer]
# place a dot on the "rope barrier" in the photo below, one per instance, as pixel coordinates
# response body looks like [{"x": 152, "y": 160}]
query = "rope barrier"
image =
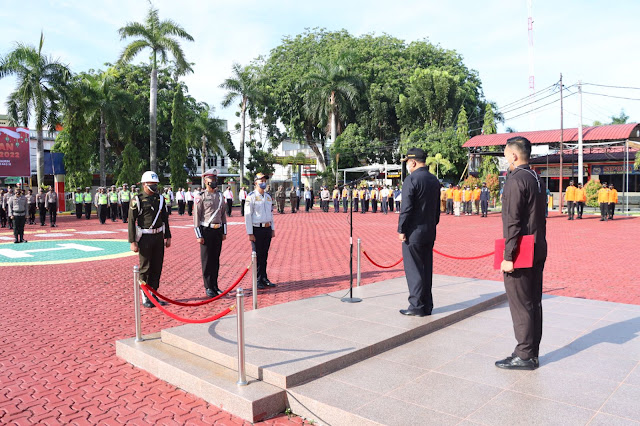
[
  {"x": 464, "y": 258},
  {"x": 378, "y": 265},
  {"x": 145, "y": 289},
  {"x": 202, "y": 302}
]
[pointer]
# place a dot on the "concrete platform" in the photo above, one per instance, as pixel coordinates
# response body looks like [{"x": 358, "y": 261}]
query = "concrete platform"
[{"x": 293, "y": 343}]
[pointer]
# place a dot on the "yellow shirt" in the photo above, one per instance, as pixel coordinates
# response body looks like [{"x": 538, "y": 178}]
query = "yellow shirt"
[
  {"x": 476, "y": 194},
  {"x": 613, "y": 195},
  {"x": 581, "y": 195},
  {"x": 603, "y": 195},
  {"x": 467, "y": 195},
  {"x": 336, "y": 193},
  {"x": 345, "y": 193},
  {"x": 449, "y": 192},
  {"x": 355, "y": 193},
  {"x": 571, "y": 193},
  {"x": 457, "y": 195}
]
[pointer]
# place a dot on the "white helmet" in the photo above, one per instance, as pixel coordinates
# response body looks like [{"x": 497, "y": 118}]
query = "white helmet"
[{"x": 150, "y": 177}]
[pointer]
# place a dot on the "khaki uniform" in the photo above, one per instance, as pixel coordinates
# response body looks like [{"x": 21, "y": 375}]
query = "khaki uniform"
[
  {"x": 210, "y": 224},
  {"x": 51, "y": 204},
  {"x": 17, "y": 208}
]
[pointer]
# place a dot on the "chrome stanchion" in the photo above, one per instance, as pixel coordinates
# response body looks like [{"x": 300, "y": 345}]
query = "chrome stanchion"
[
  {"x": 254, "y": 279},
  {"x": 136, "y": 302},
  {"x": 242, "y": 375},
  {"x": 359, "y": 253}
]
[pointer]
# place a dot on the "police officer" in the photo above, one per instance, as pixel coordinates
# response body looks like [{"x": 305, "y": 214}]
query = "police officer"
[
  {"x": 17, "y": 210},
  {"x": 210, "y": 226},
  {"x": 149, "y": 232},
  {"x": 258, "y": 218},
  {"x": 124, "y": 197},
  {"x": 345, "y": 198},
  {"x": 42, "y": 210},
  {"x": 5, "y": 203},
  {"x": 102, "y": 204},
  {"x": 281, "y": 197},
  {"x": 485, "y": 196},
  {"x": 31, "y": 207},
  {"x": 51, "y": 204},
  {"x": 417, "y": 222},
  {"x": 86, "y": 198},
  {"x": 3, "y": 209},
  {"x": 78, "y": 201},
  {"x": 293, "y": 199},
  {"x": 113, "y": 203}
]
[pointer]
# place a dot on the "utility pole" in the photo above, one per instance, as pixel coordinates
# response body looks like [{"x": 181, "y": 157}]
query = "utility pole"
[
  {"x": 580, "y": 153},
  {"x": 561, "y": 146}
]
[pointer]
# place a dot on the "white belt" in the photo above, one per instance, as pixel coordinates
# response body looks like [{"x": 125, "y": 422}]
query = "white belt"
[
  {"x": 153, "y": 231},
  {"x": 211, "y": 225}
]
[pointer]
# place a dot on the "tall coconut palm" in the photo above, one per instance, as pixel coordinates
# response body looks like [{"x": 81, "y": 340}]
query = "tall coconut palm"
[
  {"x": 206, "y": 134},
  {"x": 39, "y": 93},
  {"x": 105, "y": 104},
  {"x": 328, "y": 92},
  {"x": 244, "y": 84},
  {"x": 438, "y": 163},
  {"x": 161, "y": 37}
]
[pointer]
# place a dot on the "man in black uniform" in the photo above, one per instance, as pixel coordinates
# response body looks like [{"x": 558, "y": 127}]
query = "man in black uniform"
[
  {"x": 523, "y": 213},
  {"x": 419, "y": 216},
  {"x": 485, "y": 196},
  {"x": 210, "y": 226},
  {"x": 149, "y": 232}
]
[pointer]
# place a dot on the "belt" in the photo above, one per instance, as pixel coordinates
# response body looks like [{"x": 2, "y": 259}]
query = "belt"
[
  {"x": 211, "y": 225},
  {"x": 153, "y": 231},
  {"x": 262, "y": 225}
]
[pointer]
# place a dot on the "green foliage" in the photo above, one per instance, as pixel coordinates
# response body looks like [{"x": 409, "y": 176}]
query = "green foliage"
[
  {"x": 489, "y": 123},
  {"x": 592, "y": 187},
  {"x": 620, "y": 119},
  {"x": 493, "y": 183},
  {"x": 636, "y": 164},
  {"x": 438, "y": 164},
  {"x": 132, "y": 168},
  {"x": 462, "y": 126},
  {"x": 261, "y": 160},
  {"x": 471, "y": 182},
  {"x": 178, "y": 148}
]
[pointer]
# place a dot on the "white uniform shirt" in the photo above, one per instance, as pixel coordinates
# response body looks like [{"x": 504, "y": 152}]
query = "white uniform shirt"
[
  {"x": 180, "y": 196},
  {"x": 228, "y": 195},
  {"x": 258, "y": 209},
  {"x": 242, "y": 194},
  {"x": 384, "y": 193},
  {"x": 188, "y": 196}
]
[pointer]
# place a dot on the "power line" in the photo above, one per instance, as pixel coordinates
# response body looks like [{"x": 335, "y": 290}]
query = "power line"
[
  {"x": 530, "y": 96},
  {"x": 537, "y": 108},
  {"x": 524, "y": 105},
  {"x": 612, "y": 87},
  {"x": 612, "y": 96}
]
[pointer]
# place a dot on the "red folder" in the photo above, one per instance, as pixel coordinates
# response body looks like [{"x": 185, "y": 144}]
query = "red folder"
[{"x": 524, "y": 254}]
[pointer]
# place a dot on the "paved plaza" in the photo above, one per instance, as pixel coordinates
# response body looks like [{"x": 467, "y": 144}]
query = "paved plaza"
[{"x": 61, "y": 322}]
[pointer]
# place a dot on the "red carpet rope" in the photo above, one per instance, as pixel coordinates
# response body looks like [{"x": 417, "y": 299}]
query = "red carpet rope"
[
  {"x": 377, "y": 264},
  {"x": 203, "y": 302},
  {"x": 464, "y": 258},
  {"x": 145, "y": 289}
]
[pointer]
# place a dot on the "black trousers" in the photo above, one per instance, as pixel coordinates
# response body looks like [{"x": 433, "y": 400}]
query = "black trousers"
[
  {"x": 114, "y": 211},
  {"x": 190, "y": 207},
  {"x": 294, "y": 202},
  {"x": 524, "y": 292},
  {"x": 363, "y": 206},
  {"x": 612, "y": 209},
  {"x": 355, "y": 203},
  {"x": 180, "y": 207},
  {"x": 336, "y": 205},
  {"x": 18, "y": 227},
  {"x": 384, "y": 205},
  {"x": 78, "y": 210},
  {"x": 604, "y": 211},
  {"x": 31, "y": 209},
  {"x": 210, "y": 256},
  {"x": 42, "y": 212},
  {"x": 124, "y": 211},
  {"x": 390, "y": 204},
  {"x": 307, "y": 204},
  {"x": 345, "y": 205},
  {"x": 151, "y": 256},
  {"x": 484, "y": 204},
  {"x": 53, "y": 213},
  {"x": 229, "y": 205},
  {"x": 477, "y": 204},
  {"x": 374, "y": 206},
  {"x": 418, "y": 267},
  {"x": 3, "y": 217},
  {"x": 87, "y": 210},
  {"x": 580, "y": 208},
  {"x": 102, "y": 212},
  {"x": 398, "y": 206},
  {"x": 242, "y": 202},
  {"x": 366, "y": 205},
  {"x": 261, "y": 247},
  {"x": 449, "y": 208},
  {"x": 571, "y": 206}
]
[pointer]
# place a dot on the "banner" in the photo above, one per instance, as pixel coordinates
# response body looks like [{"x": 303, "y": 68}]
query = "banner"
[
  {"x": 615, "y": 169},
  {"x": 14, "y": 151}
]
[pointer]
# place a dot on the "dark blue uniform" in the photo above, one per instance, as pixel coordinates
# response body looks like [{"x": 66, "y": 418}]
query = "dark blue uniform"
[{"x": 419, "y": 216}]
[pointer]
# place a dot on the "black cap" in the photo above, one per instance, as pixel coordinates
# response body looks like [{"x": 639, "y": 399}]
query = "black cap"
[{"x": 415, "y": 154}]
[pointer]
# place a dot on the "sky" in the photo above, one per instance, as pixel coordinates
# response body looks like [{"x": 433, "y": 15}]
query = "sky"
[{"x": 589, "y": 40}]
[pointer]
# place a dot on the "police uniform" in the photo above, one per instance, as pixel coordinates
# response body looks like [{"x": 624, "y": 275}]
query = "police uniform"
[
  {"x": 210, "y": 224},
  {"x": 5, "y": 202},
  {"x": 113, "y": 203},
  {"x": 78, "y": 200},
  {"x": 17, "y": 208},
  {"x": 31, "y": 207},
  {"x": 51, "y": 204},
  {"x": 293, "y": 199},
  {"x": 485, "y": 196},
  {"x": 42, "y": 210},
  {"x": 281, "y": 196},
  {"x": 258, "y": 218},
  {"x": 86, "y": 199},
  {"x": 124, "y": 197},
  {"x": 102, "y": 205},
  {"x": 143, "y": 211},
  {"x": 3, "y": 209}
]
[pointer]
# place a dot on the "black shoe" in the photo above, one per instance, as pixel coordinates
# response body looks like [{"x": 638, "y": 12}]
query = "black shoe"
[
  {"x": 16, "y": 242},
  {"x": 160, "y": 302},
  {"x": 411, "y": 313},
  {"x": 601, "y": 220},
  {"x": 261, "y": 286},
  {"x": 213, "y": 293},
  {"x": 516, "y": 363},
  {"x": 536, "y": 361},
  {"x": 268, "y": 283},
  {"x": 147, "y": 303}
]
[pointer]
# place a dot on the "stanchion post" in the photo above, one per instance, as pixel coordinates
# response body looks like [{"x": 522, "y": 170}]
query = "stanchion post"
[
  {"x": 136, "y": 302},
  {"x": 254, "y": 279},
  {"x": 359, "y": 253},
  {"x": 242, "y": 375}
]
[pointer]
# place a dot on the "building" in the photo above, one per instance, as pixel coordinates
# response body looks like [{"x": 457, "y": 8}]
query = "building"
[{"x": 4, "y": 120}]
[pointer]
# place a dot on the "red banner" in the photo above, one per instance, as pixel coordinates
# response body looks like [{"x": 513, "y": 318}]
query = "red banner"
[{"x": 14, "y": 151}]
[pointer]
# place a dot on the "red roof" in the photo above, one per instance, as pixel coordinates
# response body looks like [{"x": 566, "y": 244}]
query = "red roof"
[{"x": 613, "y": 132}]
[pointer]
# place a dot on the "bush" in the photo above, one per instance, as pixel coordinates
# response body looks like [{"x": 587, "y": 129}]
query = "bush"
[
  {"x": 592, "y": 188},
  {"x": 493, "y": 183},
  {"x": 471, "y": 181}
]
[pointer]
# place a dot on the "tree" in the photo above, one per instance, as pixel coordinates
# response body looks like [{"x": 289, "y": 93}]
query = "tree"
[
  {"x": 40, "y": 91},
  {"x": 178, "y": 148},
  {"x": 489, "y": 164},
  {"x": 243, "y": 85},
  {"x": 462, "y": 126},
  {"x": 207, "y": 135},
  {"x": 621, "y": 119},
  {"x": 636, "y": 164},
  {"x": 437, "y": 163},
  {"x": 161, "y": 37},
  {"x": 132, "y": 168}
]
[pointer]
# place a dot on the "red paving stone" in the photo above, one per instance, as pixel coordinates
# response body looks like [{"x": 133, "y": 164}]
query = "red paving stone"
[{"x": 60, "y": 322}]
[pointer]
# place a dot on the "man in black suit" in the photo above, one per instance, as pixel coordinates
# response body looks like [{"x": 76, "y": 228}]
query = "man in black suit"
[
  {"x": 419, "y": 216},
  {"x": 523, "y": 213}
]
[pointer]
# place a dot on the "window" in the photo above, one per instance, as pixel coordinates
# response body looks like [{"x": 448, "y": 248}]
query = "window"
[
  {"x": 215, "y": 161},
  {"x": 221, "y": 161}
]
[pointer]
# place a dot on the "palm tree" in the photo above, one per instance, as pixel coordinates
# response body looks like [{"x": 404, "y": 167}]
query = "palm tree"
[
  {"x": 161, "y": 38},
  {"x": 40, "y": 91},
  {"x": 206, "y": 134},
  {"x": 437, "y": 163},
  {"x": 328, "y": 93},
  {"x": 244, "y": 84},
  {"x": 105, "y": 103}
]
